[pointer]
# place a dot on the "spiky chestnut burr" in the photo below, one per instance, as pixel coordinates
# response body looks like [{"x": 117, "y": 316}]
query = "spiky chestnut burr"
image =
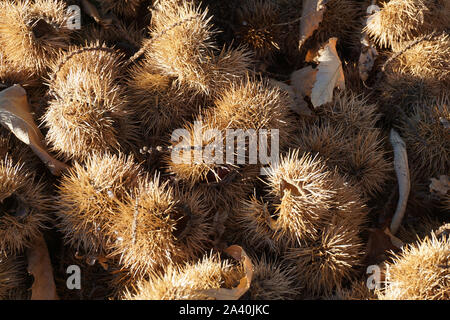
[
  {"x": 10, "y": 75},
  {"x": 308, "y": 196},
  {"x": 348, "y": 139},
  {"x": 161, "y": 105},
  {"x": 23, "y": 207},
  {"x": 426, "y": 60},
  {"x": 272, "y": 280},
  {"x": 189, "y": 281},
  {"x": 418, "y": 228},
  {"x": 324, "y": 264},
  {"x": 340, "y": 20},
  {"x": 420, "y": 271},
  {"x": 428, "y": 139},
  {"x": 400, "y": 21},
  {"x": 88, "y": 198},
  {"x": 12, "y": 277},
  {"x": 245, "y": 105},
  {"x": 252, "y": 226},
  {"x": 88, "y": 111},
  {"x": 33, "y": 33},
  {"x": 257, "y": 27},
  {"x": 158, "y": 226},
  {"x": 182, "y": 46},
  {"x": 253, "y": 104},
  {"x": 124, "y": 8}
]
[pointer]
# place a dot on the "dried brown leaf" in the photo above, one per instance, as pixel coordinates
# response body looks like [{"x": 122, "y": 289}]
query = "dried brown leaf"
[
  {"x": 329, "y": 76},
  {"x": 378, "y": 246},
  {"x": 40, "y": 267},
  {"x": 15, "y": 115},
  {"x": 297, "y": 103},
  {"x": 312, "y": 16},
  {"x": 244, "y": 284}
]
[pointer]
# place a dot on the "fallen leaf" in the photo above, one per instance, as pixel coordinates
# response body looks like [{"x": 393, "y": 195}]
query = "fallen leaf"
[
  {"x": 311, "y": 54},
  {"x": 379, "y": 245},
  {"x": 40, "y": 267},
  {"x": 329, "y": 75},
  {"x": 303, "y": 81},
  {"x": 297, "y": 103},
  {"x": 312, "y": 16},
  {"x": 403, "y": 178},
  {"x": 15, "y": 116},
  {"x": 441, "y": 186},
  {"x": 244, "y": 284}
]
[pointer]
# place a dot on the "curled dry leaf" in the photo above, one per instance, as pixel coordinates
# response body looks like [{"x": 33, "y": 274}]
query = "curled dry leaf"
[
  {"x": 15, "y": 115},
  {"x": 40, "y": 267},
  {"x": 312, "y": 16},
  {"x": 303, "y": 81},
  {"x": 244, "y": 284},
  {"x": 404, "y": 181},
  {"x": 329, "y": 75},
  {"x": 297, "y": 102},
  {"x": 441, "y": 186}
]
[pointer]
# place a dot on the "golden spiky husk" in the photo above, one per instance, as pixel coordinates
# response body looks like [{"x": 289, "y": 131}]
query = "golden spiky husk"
[
  {"x": 290, "y": 10},
  {"x": 182, "y": 46},
  {"x": 11, "y": 74},
  {"x": 160, "y": 104},
  {"x": 12, "y": 278},
  {"x": 88, "y": 111},
  {"x": 189, "y": 281},
  {"x": 88, "y": 199},
  {"x": 348, "y": 139},
  {"x": 251, "y": 226},
  {"x": 247, "y": 104},
  {"x": 399, "y": 21},
  {"x": 418, "y": 228},
  {"x": 324, "y": 264},
  {"x": 15, "y": 150},
  {"x": 427, "y": 139},
  {"x": 125, "y": 8},
  {"x": 158, "y": 226},
  {"x": 308, "y": 196},
  {"x": 352, "y": 111},
  {"x": 272, "y": 280},
  {"x": 33, "y": 33},
  {"x": 257, "y": 27},
  {"x": 23, "y": 207},
  {"x": 124, "y": 37},
  {"x": 254, "y": 104},
  {"x": 405, "y": 90},
  {"x": 427, "y": 60},
  {"x": 420, "y": 271}
]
